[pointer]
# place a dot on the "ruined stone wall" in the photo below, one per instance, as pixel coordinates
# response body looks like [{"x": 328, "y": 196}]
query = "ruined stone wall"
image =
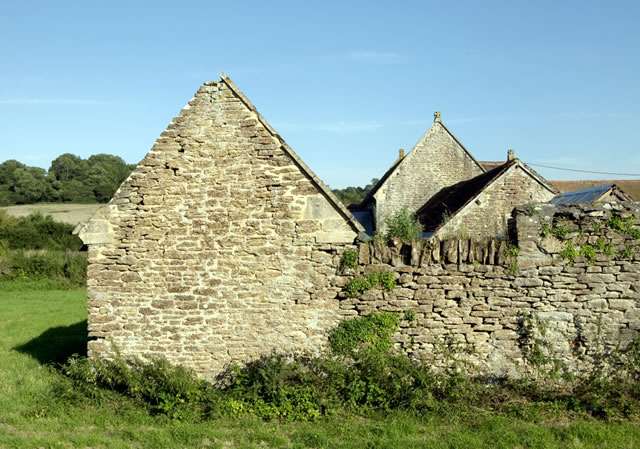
[
  {"x": 484, "y": 295},
  {"x": 218, "y": 248},
  {"x": 436, "y": 161},
  {"x": 489, "y": 214}
]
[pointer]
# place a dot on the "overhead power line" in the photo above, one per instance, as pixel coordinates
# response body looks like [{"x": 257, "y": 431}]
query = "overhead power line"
[{"x": 587, "y": 171}]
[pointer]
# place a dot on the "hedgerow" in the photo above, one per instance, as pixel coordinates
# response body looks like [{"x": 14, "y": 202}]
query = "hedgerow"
[{"x": 361, "y": 373}]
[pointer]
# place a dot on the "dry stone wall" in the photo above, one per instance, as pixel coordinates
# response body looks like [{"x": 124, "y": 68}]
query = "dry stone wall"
[{"x": 494, "y": 300}]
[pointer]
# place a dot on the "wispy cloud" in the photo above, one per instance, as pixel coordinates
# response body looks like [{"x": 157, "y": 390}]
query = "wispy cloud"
[
  {"x": 52, "y": 101},
  {"x": 376, "y": 57},
  {"x": 335, "y": 127}
]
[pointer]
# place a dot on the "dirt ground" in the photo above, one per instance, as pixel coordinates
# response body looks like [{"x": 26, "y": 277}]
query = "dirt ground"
[{"x": 69, "y": 213}]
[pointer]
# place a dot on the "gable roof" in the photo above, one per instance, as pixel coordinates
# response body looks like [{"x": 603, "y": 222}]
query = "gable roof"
[
  {"x": 591, "y": 194},
  {"x": 449, "y": 201},
  {"x": 381, "y": 182},
  {"x": 304, "y": 168},
  {"x": 490, "y": 165},
  {"x": 399, "y": 161}
]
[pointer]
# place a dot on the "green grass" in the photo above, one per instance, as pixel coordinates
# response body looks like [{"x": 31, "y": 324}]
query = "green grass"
[{"x": 40, "y": 326}]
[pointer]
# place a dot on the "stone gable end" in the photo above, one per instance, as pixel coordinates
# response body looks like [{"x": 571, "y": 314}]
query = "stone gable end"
[
  {"x": 436, "y": 161},
  {"x": 488, "y": 214},
  {"x": 219, "y": 247}
]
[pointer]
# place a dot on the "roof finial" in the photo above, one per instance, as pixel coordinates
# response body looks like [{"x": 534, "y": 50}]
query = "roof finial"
[
  {"x": 511, "y": 154},
  {"x": 437, "y": 117}
]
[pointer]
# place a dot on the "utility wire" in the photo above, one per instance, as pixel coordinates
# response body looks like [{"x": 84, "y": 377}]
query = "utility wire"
[{"x": 587, "y": 171}]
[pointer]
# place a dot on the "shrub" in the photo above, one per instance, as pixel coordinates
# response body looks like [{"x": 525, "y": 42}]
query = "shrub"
[
  {"x": 70, "y": 266},
  {"x": 404, "y": 226},
  {"x": 360, "y": 373},
  {"x": 373, "y": 331},
  {"x": 37, "y": 231},
  {"x": 159, "y": 386}
]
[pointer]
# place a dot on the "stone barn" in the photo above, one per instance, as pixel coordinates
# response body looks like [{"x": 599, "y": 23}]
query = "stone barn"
[
  {"x": 438, "y": 160},
  {"x": 482, "y": 206},
  {"x": 220, "y": 246}
]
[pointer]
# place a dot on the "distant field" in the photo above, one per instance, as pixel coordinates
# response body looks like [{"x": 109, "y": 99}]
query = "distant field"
[{"x": 68, "y": 213}]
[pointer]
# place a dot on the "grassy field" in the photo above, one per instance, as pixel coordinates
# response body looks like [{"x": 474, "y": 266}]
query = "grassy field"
[
  {"x": 41, "y": 327},
  {"x": 67, "y": 213}
]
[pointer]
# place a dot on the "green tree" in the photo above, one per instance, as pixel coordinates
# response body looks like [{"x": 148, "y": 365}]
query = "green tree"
[
  {"x": 69, "y": 166},
  {"x": 354, "y": 195},
  {"x": 30, "y": 184},
  {"x": 8, "y": 171},
  {"x": 106, "y": 173}
]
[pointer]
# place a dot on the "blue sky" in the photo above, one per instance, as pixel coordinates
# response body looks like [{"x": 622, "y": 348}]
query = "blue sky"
[{"x": 345, "y": 83}]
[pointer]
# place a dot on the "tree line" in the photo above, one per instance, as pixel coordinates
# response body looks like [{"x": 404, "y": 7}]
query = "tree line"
[
  {"x": 70, "y": 179},
  {"x": 354, "y": 195}
]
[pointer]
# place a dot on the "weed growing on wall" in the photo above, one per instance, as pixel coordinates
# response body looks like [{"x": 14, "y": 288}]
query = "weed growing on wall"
[
  {"x": 404, "y": 226},
  {"x": 511, "y": 252},
  {"x": 627, "y": 252},
  {"x": 589, "y": 253},
  {"x": 569, "y": 253},
  {"x": 537, "y": 349},
  {"x": 372, "y": 331},
  {"x": 348, "y": 261},
  {"x": 360, "y": 285}
]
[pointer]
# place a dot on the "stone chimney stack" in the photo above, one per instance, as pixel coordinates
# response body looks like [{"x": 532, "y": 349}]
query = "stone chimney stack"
[
  {"x": 437, "y": 117},
  {"x": 511, "y": 155}
]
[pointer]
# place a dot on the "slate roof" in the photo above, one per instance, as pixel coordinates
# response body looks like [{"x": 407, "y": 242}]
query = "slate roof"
[
  {"x": 630, "y": 187},
  {"x": 450, "y": 200},
  {"x": 591, "y": 194}
]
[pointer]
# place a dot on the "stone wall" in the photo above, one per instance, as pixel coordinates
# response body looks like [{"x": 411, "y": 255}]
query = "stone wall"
[
  {"x": 220, "y": 246},
  {"x": 437, "y": 160},
  {"x": 483, "y": 295},
  {"x": 489, "y": 214}
]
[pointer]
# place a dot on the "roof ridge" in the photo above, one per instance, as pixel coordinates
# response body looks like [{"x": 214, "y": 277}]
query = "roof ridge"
[
  {"x": 381, "y": 181},
  {"x": 538, "y": 177},
  {"x": 395, "y": 165},
  {"x": 322, "y": 187},
  {"x": 500, "y": 171}
]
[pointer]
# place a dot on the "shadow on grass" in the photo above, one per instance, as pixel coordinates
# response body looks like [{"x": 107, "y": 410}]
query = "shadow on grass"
[{"x": 57, "y": 344}]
